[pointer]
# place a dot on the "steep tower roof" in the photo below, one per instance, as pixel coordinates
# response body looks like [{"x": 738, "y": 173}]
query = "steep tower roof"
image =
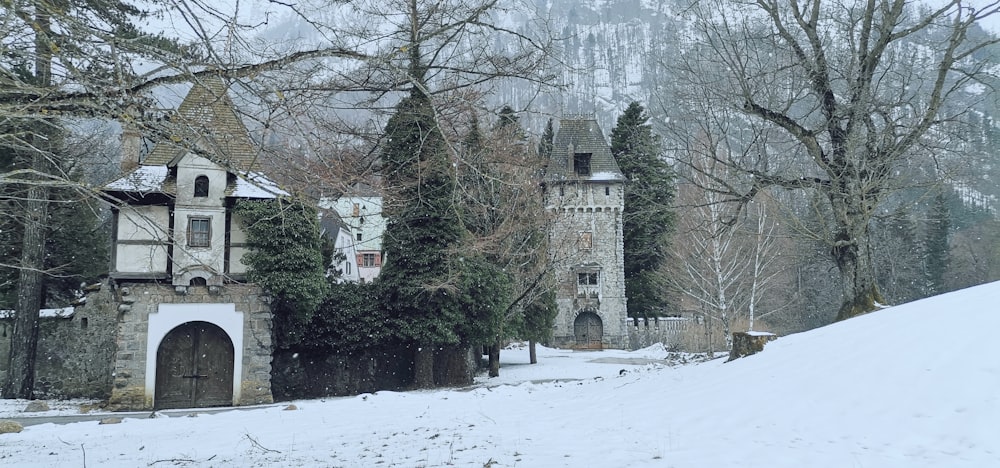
[
  {"x": 206, "y": 122},
  {"x": 581, "y": 136}
]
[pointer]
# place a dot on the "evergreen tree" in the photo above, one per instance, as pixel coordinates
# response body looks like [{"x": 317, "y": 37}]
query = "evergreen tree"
[
  {"x": 936, "y": 245},
  {"x": 286, "y": 261},
  {"x": 539, "y": 319},
  {"x": 508, "y": 119},
  {"x": 349, "y": 320},
  {"x": 419, "y": 277},
  {"x": 648, "y": 215},
  {"x": 545, "y": 145}
]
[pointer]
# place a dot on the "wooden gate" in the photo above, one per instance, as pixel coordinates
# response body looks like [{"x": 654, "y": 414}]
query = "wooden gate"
[
  {"x": 588, "y": 330},
  {"x": 194, "y": 367}
]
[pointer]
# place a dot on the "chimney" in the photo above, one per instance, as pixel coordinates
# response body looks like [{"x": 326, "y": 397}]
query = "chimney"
[{"x": 130, "y": 146}]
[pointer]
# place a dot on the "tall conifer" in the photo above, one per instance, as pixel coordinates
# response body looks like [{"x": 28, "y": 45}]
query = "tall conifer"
[
  {"x": 648, "y": 216},
  {"x": 936, "y": 245},
  {"x": 419, "y": 276}
]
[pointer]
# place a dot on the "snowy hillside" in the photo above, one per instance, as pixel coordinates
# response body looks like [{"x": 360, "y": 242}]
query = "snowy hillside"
[{"x": 910, "y": 386}]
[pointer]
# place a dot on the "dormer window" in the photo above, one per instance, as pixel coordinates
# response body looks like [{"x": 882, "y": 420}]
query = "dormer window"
[
  {"x": 581, "y": 163},
  {"x": 201, "y": 186}
]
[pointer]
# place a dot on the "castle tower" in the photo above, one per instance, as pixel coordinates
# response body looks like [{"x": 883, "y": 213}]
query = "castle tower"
[{"x": 584, "y": 190}]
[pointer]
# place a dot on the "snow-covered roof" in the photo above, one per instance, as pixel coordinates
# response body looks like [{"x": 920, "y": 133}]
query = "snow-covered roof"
[
  {"x": 607, "y": 176},
  {"x": 143, "y": 179},
  {"x": 256, "y": 185},
  {"x": 62, "y": 312}
]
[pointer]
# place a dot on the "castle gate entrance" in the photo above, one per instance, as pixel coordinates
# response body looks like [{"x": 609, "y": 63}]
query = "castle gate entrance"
[
  {"x": 588, "y": 330},
  {"x": 194, "y": 367}
]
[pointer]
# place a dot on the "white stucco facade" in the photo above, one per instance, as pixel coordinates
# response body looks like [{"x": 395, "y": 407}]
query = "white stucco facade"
[{"x": 362, "y": 213}]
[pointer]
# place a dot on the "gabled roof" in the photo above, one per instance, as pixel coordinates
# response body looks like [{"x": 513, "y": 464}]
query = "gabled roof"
[
  {"x": 330, "y": 223},
  {"x": 207, "y": 121},
  {"x": 581, "y": 136}
]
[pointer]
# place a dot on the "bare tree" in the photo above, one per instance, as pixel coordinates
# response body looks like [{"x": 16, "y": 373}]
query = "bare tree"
[
  {"x": 500, "y": 185},
  {"x": 729, "y": 261},
  {"x": 837, "y": 98}
]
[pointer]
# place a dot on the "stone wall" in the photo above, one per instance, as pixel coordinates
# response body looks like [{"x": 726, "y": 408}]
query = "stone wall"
[
  {"x": 139, "y": 300},
  {"x": 75, "y": 350},
  {"x": 301, "y": 374},
  {"x": 675, "y": 333}
]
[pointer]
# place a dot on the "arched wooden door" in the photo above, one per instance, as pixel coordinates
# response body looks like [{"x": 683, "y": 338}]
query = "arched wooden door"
[
  {"x": 588, "y": 330},
  {"x": 194, "y": 367}
]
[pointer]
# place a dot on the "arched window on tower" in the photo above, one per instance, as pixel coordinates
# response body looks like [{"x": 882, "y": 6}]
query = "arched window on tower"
[{"x": 201, "y": 186}]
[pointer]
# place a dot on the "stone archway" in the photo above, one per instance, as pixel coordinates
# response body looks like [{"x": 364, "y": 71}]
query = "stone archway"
[
  {"x": 194, "y": 367},
  {"x": 588, "y": 330}
]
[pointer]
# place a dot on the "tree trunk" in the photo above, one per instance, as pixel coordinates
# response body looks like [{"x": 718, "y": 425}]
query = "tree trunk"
[
  {"x": 532, "y": 354},
  {"x": 423, "y": 366},
  {"x": 495, "y": 359},
  {"x": 24, "y": 337},
  {"x": 857, "y": 276}
]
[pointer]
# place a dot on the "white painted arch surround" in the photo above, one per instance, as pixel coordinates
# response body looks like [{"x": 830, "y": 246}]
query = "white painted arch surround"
[{"x": 170, "y": 316}]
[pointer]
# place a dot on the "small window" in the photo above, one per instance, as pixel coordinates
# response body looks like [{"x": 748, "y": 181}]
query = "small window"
[
  {"x": 607, "y": 191},
  {"x": 201, "y": 186},
  {"x": 562, "y": 191},
  {"x": 581, "y": 163},
  {"x": 200, "y": 232},
  {"x": 357, "y": 209},
  {"x": 347, "y": 268},
  {"x": 83, "y": 322},
  {"x": 587, "y": 279},
  {"x": 586, "y": 240},
  {"x": 358, "y": 237}
]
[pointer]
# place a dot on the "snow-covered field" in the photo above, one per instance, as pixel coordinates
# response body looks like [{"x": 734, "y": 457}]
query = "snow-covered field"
[{"x": 910, "y": 386}]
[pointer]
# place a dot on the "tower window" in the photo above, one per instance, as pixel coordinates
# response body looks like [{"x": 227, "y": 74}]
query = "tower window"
[
  {"x": 607, "y": 191},
  {"x": 586, "y": 240},
  {"x": 200, "y": 232},
  {"x": 581, "y": 163},
  {"x": 587, "y": 279},
  {"x": 201, "y": 186},
  {"x": 359, "y": 237}
]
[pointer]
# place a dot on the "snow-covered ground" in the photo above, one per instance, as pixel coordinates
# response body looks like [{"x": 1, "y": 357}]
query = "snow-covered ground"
[{"x": 909, "y": 386}]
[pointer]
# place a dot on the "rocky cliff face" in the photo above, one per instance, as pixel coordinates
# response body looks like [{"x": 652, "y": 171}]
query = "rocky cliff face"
[{"x": 610, "y": 53}]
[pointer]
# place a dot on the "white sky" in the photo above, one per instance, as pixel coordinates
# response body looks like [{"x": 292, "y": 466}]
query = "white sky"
[{"x": 911, "y": 386}]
